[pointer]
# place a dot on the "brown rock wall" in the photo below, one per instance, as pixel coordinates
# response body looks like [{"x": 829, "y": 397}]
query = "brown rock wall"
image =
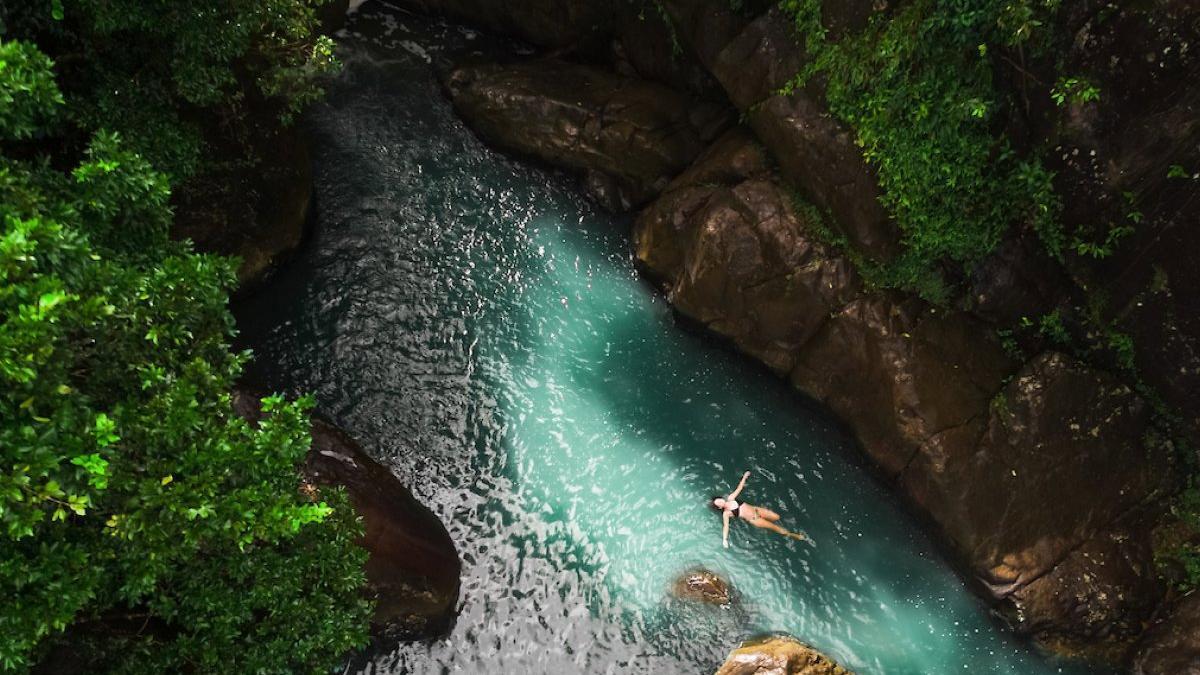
[
  {"x": 1173, "y": 646},
  {"x": 639, "y": 134},
  {"x": 412, "y": 566},
  {"x": 1023, "y": 496},
  {"x": 733, "y": 253}
]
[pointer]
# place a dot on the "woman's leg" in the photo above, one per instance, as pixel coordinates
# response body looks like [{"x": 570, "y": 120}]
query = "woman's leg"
[
  {"x": 768, "y": 514},
  {"x": 769, "y": 525}
]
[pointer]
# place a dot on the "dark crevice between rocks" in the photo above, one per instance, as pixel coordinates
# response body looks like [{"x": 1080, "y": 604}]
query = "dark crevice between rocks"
[{"x": 900, "y": 477}]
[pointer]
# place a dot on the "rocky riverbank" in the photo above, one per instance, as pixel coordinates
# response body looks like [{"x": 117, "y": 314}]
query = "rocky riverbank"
[
  {"x": 412, "y": 567},
  {"x": 1044, "y": 473}
]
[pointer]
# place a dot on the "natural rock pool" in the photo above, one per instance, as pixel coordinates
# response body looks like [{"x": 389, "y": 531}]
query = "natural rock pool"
[{"x": 479, "y": 325}]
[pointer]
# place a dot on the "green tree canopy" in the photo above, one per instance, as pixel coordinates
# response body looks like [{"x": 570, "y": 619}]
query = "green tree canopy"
[
  {"x": 138, "y": 513},
  {"x": 165, "y": 73}
]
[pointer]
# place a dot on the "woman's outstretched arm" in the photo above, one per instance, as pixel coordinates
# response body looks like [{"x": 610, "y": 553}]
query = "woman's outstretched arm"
[
  {"x": 725, "y": 528},
  {"x": 735, "y": 493}
]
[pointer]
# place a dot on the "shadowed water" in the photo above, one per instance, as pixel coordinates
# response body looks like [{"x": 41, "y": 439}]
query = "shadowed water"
[{"x": 480, "y": 326}]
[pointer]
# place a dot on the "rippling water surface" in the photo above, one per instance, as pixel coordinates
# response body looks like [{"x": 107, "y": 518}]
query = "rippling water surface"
[{"x": 479, "y": 325}]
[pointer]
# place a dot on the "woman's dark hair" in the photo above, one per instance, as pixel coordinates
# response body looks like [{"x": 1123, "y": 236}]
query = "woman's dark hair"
[{"x": 713, "y": 506}]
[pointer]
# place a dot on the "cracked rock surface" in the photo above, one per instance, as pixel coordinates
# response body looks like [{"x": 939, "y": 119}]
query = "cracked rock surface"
[{"x": 630, "y": 136}]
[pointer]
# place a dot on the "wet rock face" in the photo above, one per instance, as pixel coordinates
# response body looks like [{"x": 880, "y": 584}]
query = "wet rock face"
[
  {"x": 1101, "y": 595},
  {"x": 701, "y": 585},
  {"x": 412, "y": 568},
  {"x": 258, "y": 214},
  {"x": 637, "y": 134},
  {"x": 1173, "y": 646},
  {"x": 779, "y": 655},
  {"x": 1008, "y": 462},
  {"x": 732, "y": 253},
  {"x": 902, "y": 374},
  {"x": 1026, "y": 493}
]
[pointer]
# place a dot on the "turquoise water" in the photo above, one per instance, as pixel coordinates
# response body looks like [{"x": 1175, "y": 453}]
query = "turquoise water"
[{"x": 480, "y": 326}]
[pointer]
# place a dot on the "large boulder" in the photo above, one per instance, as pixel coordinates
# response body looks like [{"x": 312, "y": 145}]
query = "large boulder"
[
  {"x": 1019, "y": 497},
  {"x": 902, "y": 374},
  {"x": 704, "y": 27},
  {"x": 642, "y": 46},
  {"x": 815, "y": 153},
  {"x": 778, "y": 655},
  {"x": 733, "y": 252},
  {"x": 1098, "y": 598},
  {"x": 1173, "y": 646},
  {"x": 630, "y": 136},
  {"x": 1023, "y": 494},
  {"x": 759, "y": 60},
  {"x": 258, "y": 209},
  {"x": 412, "y": 566}
]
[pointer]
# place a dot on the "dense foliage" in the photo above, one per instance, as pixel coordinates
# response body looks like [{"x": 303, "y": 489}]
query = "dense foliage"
[
  {"x": 917, "y": 88},
  {"x": 138, "y": 513},
  {"x": 164, "y": 73}
]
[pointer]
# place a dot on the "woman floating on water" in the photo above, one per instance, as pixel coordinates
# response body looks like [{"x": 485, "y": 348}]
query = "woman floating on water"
[{"x": 755, "y": 515}]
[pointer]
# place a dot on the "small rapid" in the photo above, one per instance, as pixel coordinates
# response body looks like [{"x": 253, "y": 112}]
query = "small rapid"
[{"x": 480, "y": 327}]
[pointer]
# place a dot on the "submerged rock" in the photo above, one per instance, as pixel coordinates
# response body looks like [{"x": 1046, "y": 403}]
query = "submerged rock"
[
  {"x": 412, "y": 568},
  {"x": 779, "y": 655},
  {"x": 701, "y": 585},
  {"x": 631, "y": 136}
]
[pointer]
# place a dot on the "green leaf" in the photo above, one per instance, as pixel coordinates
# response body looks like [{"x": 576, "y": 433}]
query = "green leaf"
[
  {"x": 96, "y": 467},
  {"x": 105, "y": 431}
]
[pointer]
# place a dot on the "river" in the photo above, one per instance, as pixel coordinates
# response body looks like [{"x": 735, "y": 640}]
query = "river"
[{"x": 480, "y": 327}]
